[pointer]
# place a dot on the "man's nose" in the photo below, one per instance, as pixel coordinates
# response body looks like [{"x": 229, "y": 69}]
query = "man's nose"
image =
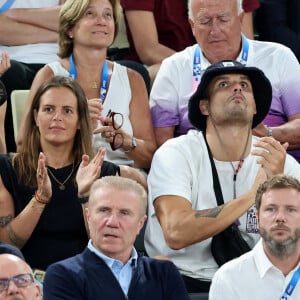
[
  {"x": 215, "y": 27},
  {"x": 237, "y": 87},
  {"x": 280, "y": 216},
  {"x": 12, "y": 288},
  {"x": 112, "y": 220}
]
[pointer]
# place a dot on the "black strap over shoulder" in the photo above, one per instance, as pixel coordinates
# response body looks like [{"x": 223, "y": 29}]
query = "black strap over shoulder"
[
  {"x": 217, "y": 186},
  {"x": 229, "y": 243}
]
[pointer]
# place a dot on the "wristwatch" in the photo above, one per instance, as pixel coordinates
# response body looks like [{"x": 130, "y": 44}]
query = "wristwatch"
[
  {"x": 270, "y": 131},
  {"x": 82, "y": 199},
  {"x": 133, "y": 145}
]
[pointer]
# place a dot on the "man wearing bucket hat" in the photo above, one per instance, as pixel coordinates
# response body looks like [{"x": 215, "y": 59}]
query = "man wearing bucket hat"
[
  {"x": 183, "y": 213},
  {"x": 217, "y": 26}
]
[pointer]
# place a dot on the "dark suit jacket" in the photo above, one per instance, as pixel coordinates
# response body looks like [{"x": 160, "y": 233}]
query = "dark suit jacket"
[{"x": 87, "y": 277}]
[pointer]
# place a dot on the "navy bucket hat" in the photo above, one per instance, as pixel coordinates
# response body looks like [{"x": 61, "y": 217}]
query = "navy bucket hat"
[{"x": 261, "y": 86}]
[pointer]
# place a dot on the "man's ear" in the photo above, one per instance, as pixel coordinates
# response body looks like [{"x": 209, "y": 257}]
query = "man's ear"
[
  {"x": 192, "y": 24},
  {"x": 241, "y": 17},
  {"x": 203, "y": 106}
]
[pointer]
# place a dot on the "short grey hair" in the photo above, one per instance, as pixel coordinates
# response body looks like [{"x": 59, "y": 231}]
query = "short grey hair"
[
  {"x": 239, "y": 8},
  {"x": 121, "y": 184}
]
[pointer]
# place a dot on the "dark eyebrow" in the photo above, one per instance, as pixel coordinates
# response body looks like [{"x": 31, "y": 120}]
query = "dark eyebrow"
[
  {"x": 226, "y": 76},
  {"x": 221, "y": 77}
]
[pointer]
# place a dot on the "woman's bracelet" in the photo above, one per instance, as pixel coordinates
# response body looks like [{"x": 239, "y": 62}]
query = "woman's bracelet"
[{"x": 38, "y": 198}]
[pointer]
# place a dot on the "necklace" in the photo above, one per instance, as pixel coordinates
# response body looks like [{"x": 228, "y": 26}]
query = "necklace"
[
  {"x": 241, "y": 161},
  {"x": 94, "y": 84},
  {"x": 61, "y": 185}
]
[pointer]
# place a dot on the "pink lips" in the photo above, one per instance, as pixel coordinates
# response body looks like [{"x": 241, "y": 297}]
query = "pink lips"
[
  {"x": 237, "y": 97},
  {"x": 280, "y": 229},
  {"x": 57, "y": 128}
]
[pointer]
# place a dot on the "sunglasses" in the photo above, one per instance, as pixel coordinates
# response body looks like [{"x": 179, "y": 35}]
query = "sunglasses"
[{"x": 117, "y": 122}]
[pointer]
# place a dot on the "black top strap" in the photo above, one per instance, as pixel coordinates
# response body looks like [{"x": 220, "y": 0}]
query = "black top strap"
[{"x": 217, "y": 186}]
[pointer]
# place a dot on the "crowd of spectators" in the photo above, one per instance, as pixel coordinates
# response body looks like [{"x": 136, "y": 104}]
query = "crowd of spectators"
[{"x": 147, "y": 109}]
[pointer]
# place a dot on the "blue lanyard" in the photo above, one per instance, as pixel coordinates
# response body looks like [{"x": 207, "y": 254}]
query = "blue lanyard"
[
  {"x": 6, "y": 6},
  {"x": 196, "y": 68},
  {"x": 245, "y": 51},
  {"x": 104, "y": 81},
  {"x": 197, "y": 61},
  {"x": 291, "y": 286}
]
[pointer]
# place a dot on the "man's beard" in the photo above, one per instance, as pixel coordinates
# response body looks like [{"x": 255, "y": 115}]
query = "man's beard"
[
  {"x": 284, "y": 248},
  {"x": 237, "y": 115}
]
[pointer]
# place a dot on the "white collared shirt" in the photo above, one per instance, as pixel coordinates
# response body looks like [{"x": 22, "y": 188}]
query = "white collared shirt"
[
  {"x": 123, "y": 273},
  {"x": 251, "y": 276}
]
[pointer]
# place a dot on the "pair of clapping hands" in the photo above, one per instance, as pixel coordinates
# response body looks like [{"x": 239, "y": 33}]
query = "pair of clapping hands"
[{"x": 89, "y": 170}]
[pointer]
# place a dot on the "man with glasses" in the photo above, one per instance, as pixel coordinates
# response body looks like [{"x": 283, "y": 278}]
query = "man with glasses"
[
  {"x": 217, "y": 26},
  {"x": 16, "y": 279}
]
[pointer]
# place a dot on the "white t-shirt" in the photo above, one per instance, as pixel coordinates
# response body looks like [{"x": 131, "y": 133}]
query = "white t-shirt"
[
  {"x": 40, "y": 53},
  {"x": 251, "y": 277},
  {"x": 181, "y": 167}
]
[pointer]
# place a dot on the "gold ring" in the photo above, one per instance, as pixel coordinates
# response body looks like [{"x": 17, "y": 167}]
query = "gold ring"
[{"x": 41, "y": 175}]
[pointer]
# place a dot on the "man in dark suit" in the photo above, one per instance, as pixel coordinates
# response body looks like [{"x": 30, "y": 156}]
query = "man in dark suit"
[{"x": 110, "y": 268}]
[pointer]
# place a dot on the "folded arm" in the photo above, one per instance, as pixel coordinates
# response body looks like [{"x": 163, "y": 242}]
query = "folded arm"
[
  {"x": 13, "y": 33},
  {"x": 182, "y": 226},
  {"x": 20, "y": 26}
]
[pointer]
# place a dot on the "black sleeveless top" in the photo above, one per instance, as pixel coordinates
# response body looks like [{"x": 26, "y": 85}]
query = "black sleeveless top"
[{"x": 60, "y": 232}]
